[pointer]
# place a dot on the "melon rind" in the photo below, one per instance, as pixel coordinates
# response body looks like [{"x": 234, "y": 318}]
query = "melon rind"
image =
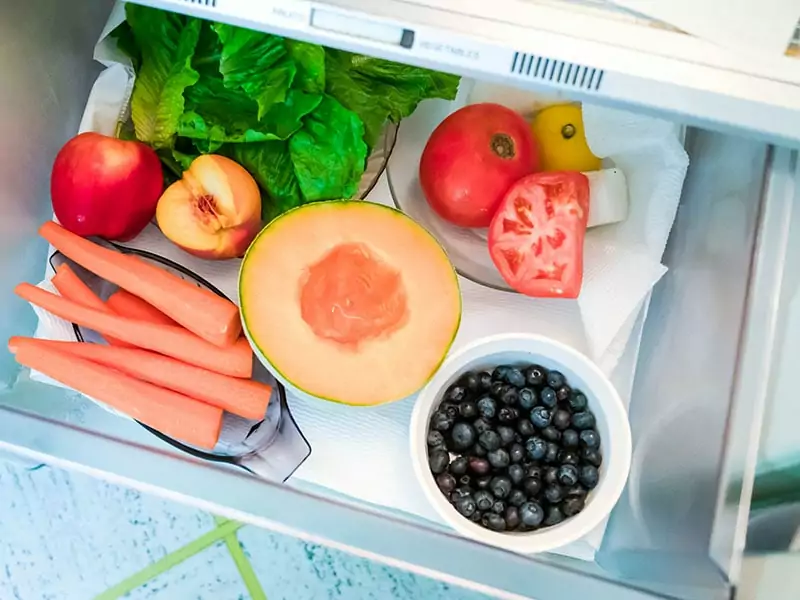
[{"x": 263, "y": 356}]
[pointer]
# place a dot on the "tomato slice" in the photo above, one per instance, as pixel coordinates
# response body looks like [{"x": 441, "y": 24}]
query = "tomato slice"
[{"x": 536, "y": 236}]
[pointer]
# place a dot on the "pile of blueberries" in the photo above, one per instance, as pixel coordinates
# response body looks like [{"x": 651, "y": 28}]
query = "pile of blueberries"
[{"x": 515, "y": 449}]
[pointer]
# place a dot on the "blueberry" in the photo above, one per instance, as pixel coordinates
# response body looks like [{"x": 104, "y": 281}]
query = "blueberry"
[
  {"x": 525, "y": 428},
  {"x": 531, "y": 514},
  {"x": 589, "y": 476},
  {"x": 487, "y": 407},
  {"x": 455, "y": 393},
  {"x": 497, "y": 388},
  {"x": 534, "y": 471},
  {"x": 568, "y": 457},
  {"x": 485, "y": 380},
  {"x": 551, "y": 434},
  {"x": 482, "y": 482},
  {"x": 572, "y": 506},
  {"x": 459, "y": 466},
  {"x": 516, "y": 473},
  {"x": 576, "y": 491},
  {"x": 561, "y": 418},
  {"x": 440, "y": 421},
  {"x": 516, "y": 453},
  {"x": 489, "y": 440},
  {"x": 446, "y": 482},
  {"x": 471, "y": 382},
  {"x": 499, "y": 507},
  {"x": 555, "y": 379},
  {"x": 554, "y": 516},
  {"x": 570, "y": 439},
  {"x": 500, "y": 486},
  {"x": 508, "y": 414},
  {"x": 535, "y": 375},
  {"x": 506, "y": 435},
  {"x": 551, "y": 475},
  {"x": 478, "y": 450},
  {"x": 540, "y": 417},
  {"x": 468, "y": 410},
  {"x": 476, "y": 516},
  {"x": 512, "y": 517},
  {"x": 548, "y": 397},
  {"x": 536, "y": 448},
  {"x": 499, "y": 458},
  {"x": 563, "y": 393},
  {"x": 459, "y": 494},
  {"x": 568, "y": 475},
  {"x": 509, "y": 396},
  {"x": 495, "y": 522},
  {"x": 515, "y": 377},
  {"x": 483, "y": 500},
  {"x": 583, "y": 420},
  {"x": 532, "y": 486},
  {"x": 435, "y": 439},
  {"x": 463, "y": 436},
  {"x": 591, "y": 456},
  {"x": 438, "y": 461},
  {"x": 517, "y": 498},
  {"x": 578, "y": 402},
  {"x": 465, "y": 480},
  {"x": 590, "y": 439},
  {"x": 466, "y": 506},
  {"x": 551, "y": 456},
  {"x": 450, "y": 409},
  {"x": 526, "y": 398},
  {"x": 480, "y": 424},
  {"x": 554, "y": 493},
  {"x": 499, "y": 373},
  {"x": 479, "y": 466}
]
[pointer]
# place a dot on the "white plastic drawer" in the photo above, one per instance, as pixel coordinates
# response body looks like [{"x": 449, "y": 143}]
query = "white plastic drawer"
[{"x": 698, "y": 397}]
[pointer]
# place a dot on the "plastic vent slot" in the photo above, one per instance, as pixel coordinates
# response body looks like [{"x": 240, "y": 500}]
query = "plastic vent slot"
[{"x": 557, "y": 71}]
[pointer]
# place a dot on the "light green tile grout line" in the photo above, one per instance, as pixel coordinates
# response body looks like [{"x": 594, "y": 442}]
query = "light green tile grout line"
[
  {"x": 242, "y": 563},
  {"x": 225, "y": 528}
]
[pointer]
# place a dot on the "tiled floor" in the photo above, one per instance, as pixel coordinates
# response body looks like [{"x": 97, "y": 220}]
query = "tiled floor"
[{"x": 66, "y": 536}]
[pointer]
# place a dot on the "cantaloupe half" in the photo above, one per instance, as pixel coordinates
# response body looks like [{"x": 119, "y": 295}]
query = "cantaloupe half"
[{"x": 349, "y": 301}]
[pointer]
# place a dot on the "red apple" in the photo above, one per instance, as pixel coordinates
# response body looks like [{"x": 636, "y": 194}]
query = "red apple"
[{"x": 105, "y": 187}]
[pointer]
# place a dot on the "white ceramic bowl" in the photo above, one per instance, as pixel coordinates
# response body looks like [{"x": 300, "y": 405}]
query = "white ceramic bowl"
[{"x": 581, "y": 373}]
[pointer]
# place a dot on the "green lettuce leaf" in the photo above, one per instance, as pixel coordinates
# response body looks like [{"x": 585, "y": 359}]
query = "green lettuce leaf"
[
  {"x": 310, "y": 60},
  {"x": 379, "y": 90},
  {"x": 272, "y": 167},
  {"x": 256, "y": 63},
  {"x": 329, "y": 153},
  {"x": 167, "y": 42}
]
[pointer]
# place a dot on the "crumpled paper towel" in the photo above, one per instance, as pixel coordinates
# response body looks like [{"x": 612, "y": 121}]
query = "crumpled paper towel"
[{"x": 363, "y": 452}]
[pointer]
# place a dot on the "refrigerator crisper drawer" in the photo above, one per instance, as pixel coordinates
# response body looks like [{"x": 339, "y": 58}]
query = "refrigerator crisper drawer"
[{"x": 696, "y": 406}]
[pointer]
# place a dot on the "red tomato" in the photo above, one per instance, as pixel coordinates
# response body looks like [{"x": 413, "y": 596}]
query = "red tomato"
[
  {"x": 536, "y": 237},
  {"x": 471, "y": 160}
]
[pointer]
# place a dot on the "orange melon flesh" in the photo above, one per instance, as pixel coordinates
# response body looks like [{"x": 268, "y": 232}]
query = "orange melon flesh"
[{"x": 350, "y": 301}]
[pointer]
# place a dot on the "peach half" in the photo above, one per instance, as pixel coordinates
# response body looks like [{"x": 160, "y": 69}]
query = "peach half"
[{"x": 214, "y": 212}]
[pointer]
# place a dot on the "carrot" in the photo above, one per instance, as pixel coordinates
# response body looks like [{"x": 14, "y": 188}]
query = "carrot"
[
  {"x": 236, "y": 360},
  {"x": 246, "y": 398},
  {"x": 72, "y": 287},
  {"x": 199, "y": 310},
  {"x": 171, "y": 413},
  {"x": 127, "y": 305}
]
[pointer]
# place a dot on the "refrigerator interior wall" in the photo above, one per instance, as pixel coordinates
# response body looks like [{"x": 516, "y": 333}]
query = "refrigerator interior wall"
[
  {"x": 47, "y": 72},
  {"x": 667, "y": 534}
]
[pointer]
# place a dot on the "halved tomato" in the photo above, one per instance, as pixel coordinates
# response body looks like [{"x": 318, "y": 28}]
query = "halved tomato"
[{"x": 536, "y": 236}]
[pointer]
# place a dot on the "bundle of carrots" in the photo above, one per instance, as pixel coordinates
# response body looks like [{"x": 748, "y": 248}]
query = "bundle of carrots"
[{"x": 175, "y": 359}]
